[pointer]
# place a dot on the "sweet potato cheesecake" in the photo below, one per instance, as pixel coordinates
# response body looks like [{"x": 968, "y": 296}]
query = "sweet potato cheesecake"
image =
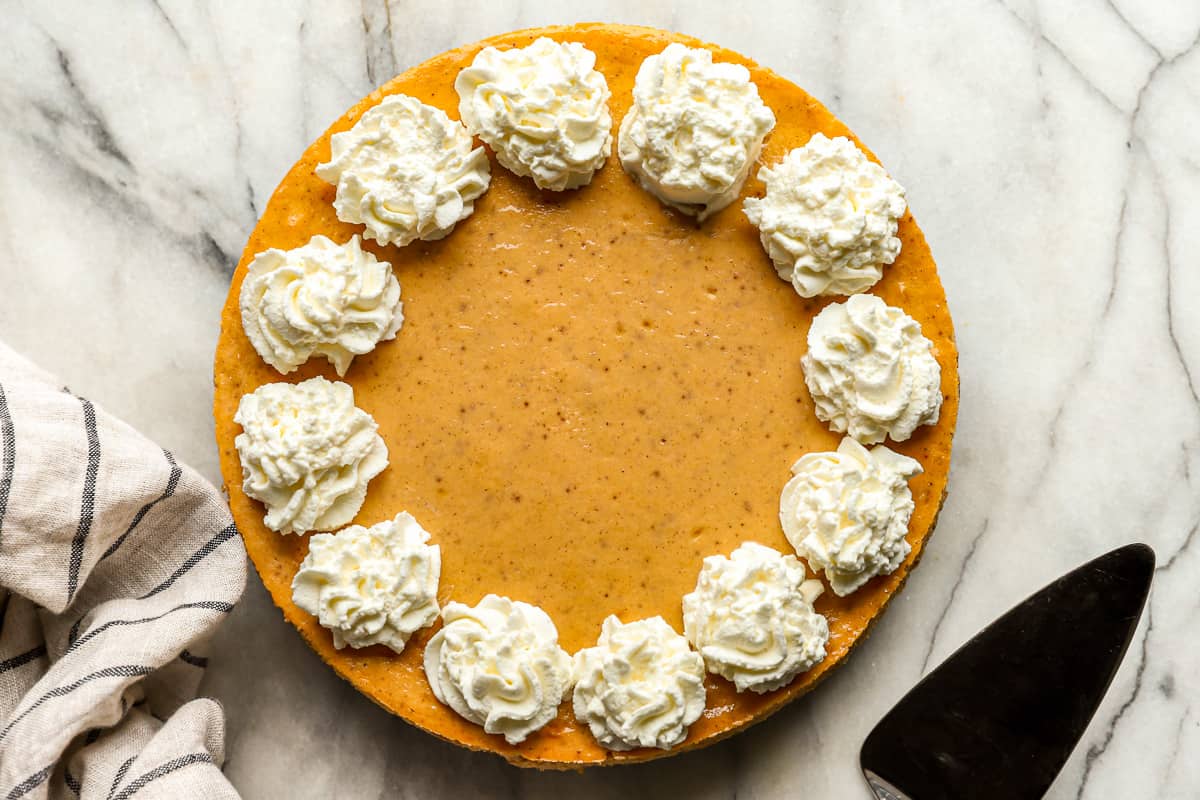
[{"x": 585, "y": 393}]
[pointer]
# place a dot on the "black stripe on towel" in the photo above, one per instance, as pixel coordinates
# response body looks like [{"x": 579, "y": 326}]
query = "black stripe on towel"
[
  {"x": 172, "y": 484},
  {"x": 8, "y": 440},
  {"x": 210, "y": 605},
  {"x": 72, "y": 782},
  {"x": 194, "y": 660},
  {"x": 162, "y": 769},
  {"x": 118, "y": 671},
  {"x": 225, "y": 535},
  {"x": 74, "y": 631},
  {"x": 29, "y": 784},
  {"x": 23, "y": 659},
  {"x": 88, "y": 503},
  {"x": 120, "y": 776}
]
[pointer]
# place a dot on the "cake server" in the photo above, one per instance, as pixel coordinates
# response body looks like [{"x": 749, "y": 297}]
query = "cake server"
[{"x": 999, "y": 717}]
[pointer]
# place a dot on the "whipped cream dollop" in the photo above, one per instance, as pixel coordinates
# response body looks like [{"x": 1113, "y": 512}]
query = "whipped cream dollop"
[
  {"x": 870, "y": 371},
  {"x": 752, "y": 620},
  {"x": 694, "y": 129},
  {"x": 498, "y": 664},
  {"x": 375, "y": 585},
  {"x": 406, "y": 171},
  {"x": 829, "y": 217},
  {"x": 640, "y": 686},
  {"x": 307, "y": 453},
  {"x": 543, "y": 109},
  {"x": 847, "y": 512},
  {"x": 334, "y": 300}
]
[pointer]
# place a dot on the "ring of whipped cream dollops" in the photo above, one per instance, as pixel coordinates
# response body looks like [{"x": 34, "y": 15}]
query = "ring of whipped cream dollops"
[{"x": 407, "y": 172}]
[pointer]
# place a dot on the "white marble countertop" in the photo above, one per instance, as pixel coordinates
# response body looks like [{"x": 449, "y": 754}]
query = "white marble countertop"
[{"x": 1049, "y": 151}]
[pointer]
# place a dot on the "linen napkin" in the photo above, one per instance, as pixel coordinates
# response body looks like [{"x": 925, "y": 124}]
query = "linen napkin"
[{"x": 116, "y": 565}]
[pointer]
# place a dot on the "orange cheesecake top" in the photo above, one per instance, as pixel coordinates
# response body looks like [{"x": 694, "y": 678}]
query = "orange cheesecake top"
[{"x": 590, "y": 394}]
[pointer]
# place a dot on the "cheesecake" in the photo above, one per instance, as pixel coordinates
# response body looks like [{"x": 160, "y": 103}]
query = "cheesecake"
[{"x": 593, "y": 391}]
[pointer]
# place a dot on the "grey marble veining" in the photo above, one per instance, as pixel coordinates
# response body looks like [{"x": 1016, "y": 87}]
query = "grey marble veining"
[{"x": 1049, "y": 151}]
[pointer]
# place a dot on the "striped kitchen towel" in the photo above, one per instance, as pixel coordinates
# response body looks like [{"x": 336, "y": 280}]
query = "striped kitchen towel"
[{"x": 116, "y": 565}]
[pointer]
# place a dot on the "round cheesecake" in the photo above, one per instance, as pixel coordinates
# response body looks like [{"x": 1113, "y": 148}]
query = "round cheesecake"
[{"x": 590, "y": 394}]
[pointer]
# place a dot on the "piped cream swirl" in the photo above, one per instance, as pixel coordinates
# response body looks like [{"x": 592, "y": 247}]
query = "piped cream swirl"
[
  {"x": 640, "y": 686},
  {"x": 847, "y": 512},
  {"x": 870, "y": 371},
  {"x": 307, "y": 453},
  {"x": 368, "y": 586},
  {"x": 406, "y": 171},
  {"x": 694, "y": 129},
  {"x": 543, "y": 109},
  {"x": 498, "y": 664},
  {"x": 829, "y": 217},
  {"x": 322, "y": 298},
  {"x": 752, "y": 620}
]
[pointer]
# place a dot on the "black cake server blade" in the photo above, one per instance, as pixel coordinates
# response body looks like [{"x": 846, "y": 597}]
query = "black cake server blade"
[{"x": 999, "y": 718}]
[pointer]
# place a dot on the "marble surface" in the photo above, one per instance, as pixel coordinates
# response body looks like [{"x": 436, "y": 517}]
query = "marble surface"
[{"x": 1049, "y": 152}]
